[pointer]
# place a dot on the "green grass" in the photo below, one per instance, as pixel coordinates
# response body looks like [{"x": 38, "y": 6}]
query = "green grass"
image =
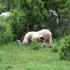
[{"x": 13, "y": 57}]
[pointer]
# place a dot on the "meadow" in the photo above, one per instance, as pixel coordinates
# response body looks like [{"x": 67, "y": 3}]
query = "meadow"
[
  {"x": 17, "y": 17},
  {"x": 14, "y": 57}
]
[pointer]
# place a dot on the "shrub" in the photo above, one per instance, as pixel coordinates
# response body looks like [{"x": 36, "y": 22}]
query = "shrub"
[
  {"x": 28, "y": 16},
  {"x": 54, "y": 47},
  {"x": 65, "y": 49},
  {"x": 35, "y": 45},
  {"x": 18, "y": 23},
  {"x": 5, "y": 33}
]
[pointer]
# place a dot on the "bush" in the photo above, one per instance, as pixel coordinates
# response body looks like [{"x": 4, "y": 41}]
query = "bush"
[
  {"x": 54, "y": 47},
  {"x": 5, "y": 33},
  {"x": 35, "y": 45},
  {"x": 31, "y": 15},
  {"x": 19, "y": 23},
  {"x": 65, "y": 49}
]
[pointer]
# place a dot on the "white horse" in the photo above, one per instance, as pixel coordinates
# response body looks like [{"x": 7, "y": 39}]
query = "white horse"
[
  {"x": 47, "y": 36},
  {"x": 44, "y": 36},
  {"x": 37, "y": 37},
  {"x": 27, "y": 38}
]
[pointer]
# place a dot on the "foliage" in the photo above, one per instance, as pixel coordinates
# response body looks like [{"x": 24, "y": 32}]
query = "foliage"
[
  {"x": 55, "y": 4},
  {"x": 35, "y": 45},
  {"x": 55, "y": 47},
  {"x": 2, "y": 7},
  {"x": 65, "y": 49},
  {"x": 32, "y": 17},
  {"x": 5, "y": 33},
  {"x": 67, "y": 14},
  {"x": 18, "y": 23},
  {"x": 38, "y": 15},
  {"x": 29, "y": 15}
]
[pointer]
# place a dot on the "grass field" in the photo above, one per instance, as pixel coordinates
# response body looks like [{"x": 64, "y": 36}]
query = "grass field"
[{"x": 14, "y": 57}]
